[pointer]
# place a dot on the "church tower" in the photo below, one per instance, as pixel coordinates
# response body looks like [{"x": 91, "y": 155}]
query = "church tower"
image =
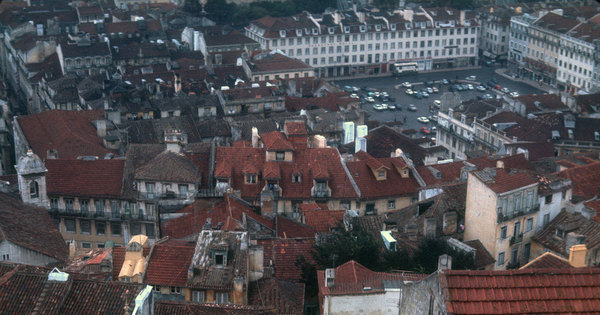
[{"x": 32, "y": 180}]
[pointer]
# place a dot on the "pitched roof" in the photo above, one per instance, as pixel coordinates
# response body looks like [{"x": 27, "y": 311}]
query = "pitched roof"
[
  {"x": 26, "y": 290},
  {"x": 585, "y": 179},
  {"x": 351, "y": 278},
  {"x": 169, "y": 166},
  {"x": 168, "y": 263},
  {"x": 287, "y": 228},
  {"x": 31, "y": 228},
  {"x": 188, "y": 308},
  {"x": 276, "y": 63},
  {"x": 383, "y": 140},
  {"x": 548, "y": 291},
  {"x": 282, "y": 254},
  {"x": 197, "y": 215},
  {"x": 70, "y": 133},
  {"x": 276, "y": 141},
  {"x": 285, "y": 296},
  {"x": 568, "y": 222},
  {"x": 541, "y": 102},
  {"x": 393, "y": 185},
  {"x": 501, "y": 181},
  {"x": 547, "y": 260},
  {"x": 98, "y": 178},
  {"x": 323, "y": 221},
  {"x": 483, "y": 258}
]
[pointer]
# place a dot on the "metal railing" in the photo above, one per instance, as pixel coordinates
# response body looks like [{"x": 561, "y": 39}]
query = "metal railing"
[
  {"x": 516, "y": 239},
  {"x": 517, "y": 213}
]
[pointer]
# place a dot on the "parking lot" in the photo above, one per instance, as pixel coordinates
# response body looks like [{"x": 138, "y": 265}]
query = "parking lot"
[{"x": 397, "y": 93}]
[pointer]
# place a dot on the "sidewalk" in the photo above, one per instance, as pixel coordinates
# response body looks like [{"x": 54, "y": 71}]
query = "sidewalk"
[
  {"x": 535, "y": 84},
  {"x": 389, "y": 74}
]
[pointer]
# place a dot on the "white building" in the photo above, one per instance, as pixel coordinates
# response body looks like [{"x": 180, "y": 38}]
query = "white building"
[
  {"x": 517, "y": 48},
  {"x": 576, "y": 59},
  {"x": 358, "y": 42}
]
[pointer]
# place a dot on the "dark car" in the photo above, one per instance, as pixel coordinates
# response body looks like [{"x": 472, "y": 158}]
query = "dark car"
[
  {"x": 429, "y": 83},
  {"x": 398, "y": 106}
]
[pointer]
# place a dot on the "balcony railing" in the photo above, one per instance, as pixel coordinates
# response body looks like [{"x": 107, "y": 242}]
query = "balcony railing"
[
  {"x": 148, "y": 196},
  {"x": 516, "y": 239},
  {"x": 321, "y": 193},
  {"x": 101, "y": 214},
  {"x": 517, "y": 213}
]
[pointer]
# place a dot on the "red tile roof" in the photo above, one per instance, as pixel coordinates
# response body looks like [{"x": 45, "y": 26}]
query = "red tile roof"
[
  {"x": 99, "y": 178},
  {"x": 169, "y": 166},
  {"x": 71, "y": 133},
  {"x": 295, "y": 128},
  {"x": 271, "y": 170},
  {"x": 287, "y": 228},
  {"x": 168, "y": 263},
  {"x": 276, "y": 141},
  {"x": 322, "y": 221},
  {"x": 393, "y": 185},
  {"x": 351, "y": 278},
  {"x": 594, "y": 205},
  {"x": 330, "y": 101},
  {"x": 198, "y": 214},
  {"x": 118, "y": 258},
  {"x": 504, "y": 181},
  {"x": 286, "y": 296},
  {"x": 585, "y": 178},
  {"x": 277, "y": 62},
  {"x": 31, "y": 228},
  {"x": 547, "y": 260},
  {"x": 550, "y": 291},
  {"x": 162, "y": 307},
  {"x": 282, "y": 255}
]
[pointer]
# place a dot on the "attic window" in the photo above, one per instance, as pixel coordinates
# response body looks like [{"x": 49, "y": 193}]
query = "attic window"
[
  {"x": 33, "y": 190},
  {"x": 331, "y": 30},
  {"x": 378, "y": 27},
  {"x": 346, "y": 29},
  {"x": 219, "y": 258},
  {"x": 363, "y": 29},
  {"x": 381, "y": 174},
  {"x": 393, "y": 27},
  {"x": 296, "y": 178},
  {"x": 299, "y": 32},
  {"x": 251, "y": 179},
  {"x": 280, "y": 156},
  {"x": 315, "y": 31},
  {"x": 405, "y": 173},
  {"x": 282, "y": 33},
  {"x": 560, "y": 233}
]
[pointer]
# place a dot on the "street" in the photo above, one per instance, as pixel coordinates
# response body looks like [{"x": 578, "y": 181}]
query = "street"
[{"x": 388, "y": 84}]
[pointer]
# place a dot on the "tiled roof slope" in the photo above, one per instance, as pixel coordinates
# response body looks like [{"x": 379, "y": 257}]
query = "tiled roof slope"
[
  {"x": 168, "y": 263},
  {"x": 539, "y": 291},
  {"x": 393, "y": 185},
  {"x": 31, "y": 228},
  {"x": 547, "y": 260},
  {"x": 585, "y": 178},
  {"x": 187, "y": 308},
  {"x": 568, "y": 222},
  {"x": 323, "y": 220},
  {"x": 352, "y": 277},
  {"x": 501, "y": 181},
  {"x": 25, "y": 290},
  {"x": 285, "y": 296},
  {"x": 169, "y": 166},
  {"x": 383, "y": 140},
  {"x": 197, "y": 215},
  {"x": 282, "y": 255},
  {"x": 99, "y": 178},
  {"x": 71, "y": 133},
  {"x": 287, "y": 228}
]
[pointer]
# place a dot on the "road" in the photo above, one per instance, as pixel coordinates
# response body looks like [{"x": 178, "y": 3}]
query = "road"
[{"x": 423, "y": 105}]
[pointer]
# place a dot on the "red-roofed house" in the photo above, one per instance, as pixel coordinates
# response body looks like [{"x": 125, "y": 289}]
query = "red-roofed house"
[
  {"x": 352, "y": 288},
  {"x": 167, "y": 269},
  {"x": 280, "y": 175},
  {"x": 268, "y": 66},
  {"x": 528, "y": 291},
  {"x": 501, "y": 211},
  {"x": 281, "y": 254},
  {"x": 322, "y": 221}
]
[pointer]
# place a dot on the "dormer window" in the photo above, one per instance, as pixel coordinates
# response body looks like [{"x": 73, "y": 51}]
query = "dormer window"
[
  {"x": 307, "y": 31},
  {"x": 219, "y": 258},
  {"x": 280, "y": 156},
  {"x": 250, "y": 178},
  {"x": 298, "y": 32},
  {"x": 381, "y": 175},
  {"x": 296, "y": 178},
  {"x": 346, "y": 29},
  {"x": 315, "y": 31},
  {"x": 378, "y": 27},
  {"x": 331, "y": 30},
  {"x": 363, "y": 28},
  {"x": 282, "y": 33},
  {"x": 33, "y": 190},
  {"x": 393, "y": 27},
  {"x": 560, "y": 233},
  {"x": 404, "y": 173}
]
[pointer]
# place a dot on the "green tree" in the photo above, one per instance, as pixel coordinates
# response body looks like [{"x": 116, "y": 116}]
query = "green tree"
[
  {"x": 426, "y": 256},
  {"x": 343, "y": 246}
]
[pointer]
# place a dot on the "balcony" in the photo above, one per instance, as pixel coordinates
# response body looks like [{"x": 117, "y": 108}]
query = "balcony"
[
  {"x": 514, "y": 214},
  {"x": 320, "y": 192},
  {"x": 516, "y": 239},
  {"x": 153, "y": 196}
]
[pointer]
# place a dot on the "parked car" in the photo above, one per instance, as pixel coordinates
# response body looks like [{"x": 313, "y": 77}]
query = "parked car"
[
  {"x": 437, "y": 103},
  {"x": 425, "y": 94},
  {"x": 487, "y": 96},
  {"x": 423, "y": 119},
  {"x": 514, "y": 94},
  {"x": 429, "y": 90},
  {"x": 369, "y": 99},
  {"x": 481, "y": 88},
  {"x": 433, "y": 140},
  {"x": 505, "y": 90},
  {"x": 435, "y": 90},
  {"x": 412, "y": 108},
  {"x": 409, "y": 92},
  {"x": 391, "y": 107},
  {"x": 444, "y": 81},
  {"x": 470, "y": 87},
  {"x": 378, "y": 107},
  {"x": 398, "y": 106},
  {"x": 418, "y": 95},
  {"x": 425, "y": 130},
  {"x": 497, "y": 87},
  {"x": 433, "y": 118},
  {"x": 471, "y": 78},
  {"x": 354, "y": 95},
  {"x": 429, "y": 83},
  {"x": 407, "y": 84}
]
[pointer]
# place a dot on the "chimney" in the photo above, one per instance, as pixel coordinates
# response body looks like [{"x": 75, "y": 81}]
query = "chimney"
[
  {"x": 444, "y": 262},
  {"x": 52, "y": 154},
  {"x": 499, "y": 164},
  {"x": 577, "y": 255},
  {"x": 101, "y": 128},
  {"x": 320, "y": 141},
  {"x": 175, "y": 139},
  {"x": 329, "y": 277},
  {"x": 254, "y": 137},
  {"x": 573, "y": 239},
  {"x": 449, "y": 222}
]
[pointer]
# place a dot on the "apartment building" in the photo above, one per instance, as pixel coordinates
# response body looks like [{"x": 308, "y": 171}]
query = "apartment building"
[
  {"x": 501, "y": 212},
  {"x": 495, "y": 29},
  {"x": 358, "y": 42},
  {"x": 576, "y": 62},
  {"x": 518, "y": 47}
]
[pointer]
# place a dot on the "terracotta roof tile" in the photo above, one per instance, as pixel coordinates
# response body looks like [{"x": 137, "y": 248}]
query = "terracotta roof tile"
[
  {"x": 276, "y": 141},
  {"x": 285, "y": 296},
  {"x": 287, "y": 228},
  {"x": 71, "y": 133},
  {"x": 295, "y": 128},
  {"x": 501, "y": 181},
  {"x": 31, "y": 228},
  {"x": 162, "y": 307},
  {"x": 271, "y": 170},
  {"x": 168, "y": 263},
  {"x": 99, "y": 178},
  {"x": 171, "y": 167},
  {"x": 282, "y": 254},
  {"x": 547, "y": 260},
  {"x": 275, "y": 63},
  {"x": 323, "y": 221},
  {"x": 568, "y": 222},
  {"x": 585, "y": 179},
  {"x": 551, "y": 291},
  {"x": 393, "y": 185}
]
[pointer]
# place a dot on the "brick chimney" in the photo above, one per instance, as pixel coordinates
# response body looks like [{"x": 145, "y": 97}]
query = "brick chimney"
[{"x": 577, "y": 255}]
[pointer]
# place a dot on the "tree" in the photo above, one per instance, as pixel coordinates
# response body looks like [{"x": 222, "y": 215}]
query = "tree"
[
  {"x": 426, "y": 256},
  {"x": 343, "y": 246}
]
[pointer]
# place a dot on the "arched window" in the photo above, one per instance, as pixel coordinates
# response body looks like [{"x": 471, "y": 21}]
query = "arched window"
[{"x": 33, "y": 189}]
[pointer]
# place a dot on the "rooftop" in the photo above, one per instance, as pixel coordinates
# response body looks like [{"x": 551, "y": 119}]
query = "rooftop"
[{"x": 97, "y": 178}]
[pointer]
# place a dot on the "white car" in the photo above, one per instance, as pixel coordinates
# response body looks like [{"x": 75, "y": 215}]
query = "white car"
[
  {"x": 505, "y": 90},
  {"x": 435, "y": 90},
  {"x": 471, "y": 78},
  {"x": 480, "y": 88},
  {"x": 514, "y": 94},
  {"x": 423, "y": 120},
  {"x": 470, "y": 87},
  {"x": 409, "y": 92},
  {"x": 407, "y": 85},
  {"x": 354, "y": 95},
  {"x": 384, "y": 94},
  {"x": 370, "y": 99},
  {"x": 437, "y": 103},
  {"x": 377, "y": 107}
]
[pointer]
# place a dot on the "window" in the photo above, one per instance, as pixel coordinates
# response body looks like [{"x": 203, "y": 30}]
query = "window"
[
  {"x": 391, "y": 204},
  {"x": 501, "y": 259},
  {"x": 503, "y": 232},
  {"x": 85, "y": 226},
  {"x": 175, "y": 290},
  {"x": 5, "y": 257},
  {"x": 296, "y": 178},
  {"x": 381, "y": 174},
  {"x": 514, "y": 256},
  {"x": 251, "y": 179},
  {"x": 100, "y": 228},
  {"x": 222, "y": 298},
  {"x": 150, "y": 190},
  {"x": 115, "y": 228},
  {"x": 84, "y": 205},
  {"x": 529, "y": 225},
  {"x": 220, "y": 258},
  {"x": 560, "y": 233},
  {"x": 69, "y": 204},
  {"x": 150, "y": 230},
  {"x": 33, "y": 190},
  {"x": 548, "y": 199},
  {"x": 517, "y": 229},
  {"x": 136, "y": 229},
  {"x": 86, "y": 245},
  {"x": 183, "y": 189},
  {"x": 156, "y": 288},
  {"x": 53, "y": 203},
  {"x": 70, "y": 225},
  {"x": 100, "y": 245},
  {"x": 526, "y": 250},
  {"x": 279, "y": 156},
  {"x": 100, "y": 206},
  {"x": 198, "y": 296}
]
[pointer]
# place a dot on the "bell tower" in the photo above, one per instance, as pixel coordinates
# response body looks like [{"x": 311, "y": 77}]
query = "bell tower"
[{"x": 32, "y": 180}]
